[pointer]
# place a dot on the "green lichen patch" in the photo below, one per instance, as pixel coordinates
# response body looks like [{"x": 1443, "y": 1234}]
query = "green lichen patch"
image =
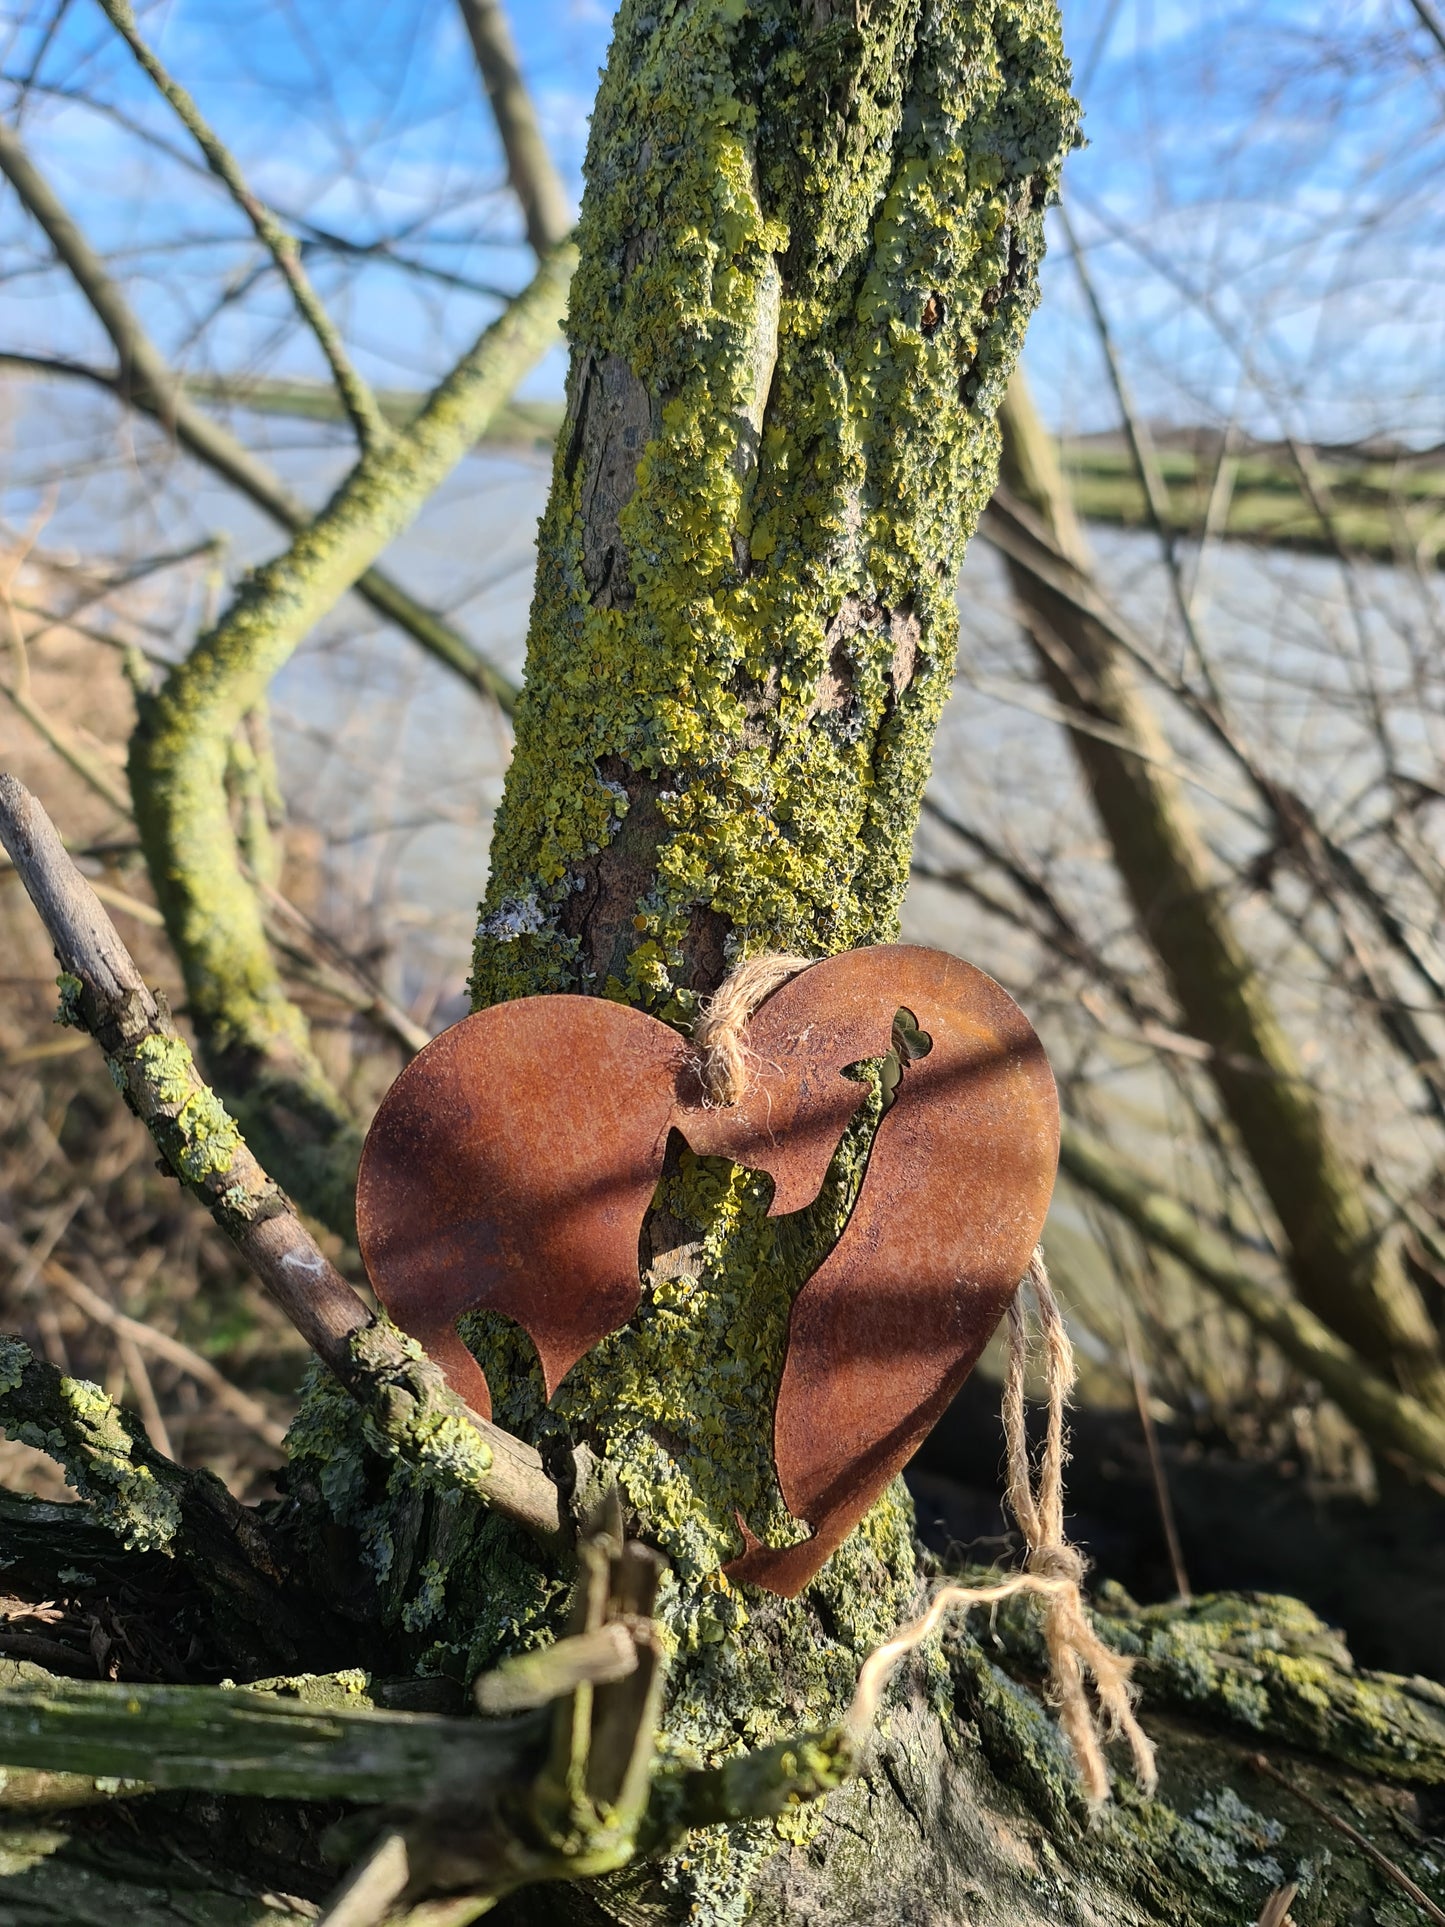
[
  {"x": 1269, "y": 1667},
  {"x": 197, "y": 1135},
  {"x": 87, "y": 1434},
  {"x": 1272, "y": 1666},
  {"x": 69, "y": 1012},
  {"x": 348, "y": 1691},
  {"x": 454, "y": 1585}
]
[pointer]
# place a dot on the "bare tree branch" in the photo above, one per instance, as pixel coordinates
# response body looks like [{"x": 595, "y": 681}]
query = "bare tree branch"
[
  {"x": 1344, "y": 1274},
  {"x": 535, "y": 180},
  {"x": 1431, "y": 21},
  {"x": 145, "y": 382},
  {"x": 410, "y": 1408},
  {"x": 1389, "y": 1419}
]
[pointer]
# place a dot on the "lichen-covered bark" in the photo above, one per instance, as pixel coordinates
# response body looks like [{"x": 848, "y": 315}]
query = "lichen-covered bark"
[
  {"x": 808, "y": 253},
  {"x": 809, "y": 247}
]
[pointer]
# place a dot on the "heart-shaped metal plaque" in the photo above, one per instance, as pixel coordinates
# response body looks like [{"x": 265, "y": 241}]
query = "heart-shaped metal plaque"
[{"x": 512, "y": 1163}]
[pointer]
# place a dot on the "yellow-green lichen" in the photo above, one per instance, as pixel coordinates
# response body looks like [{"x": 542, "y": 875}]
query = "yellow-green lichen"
[
  {"x": 1271, "y": 1666},
  {"x": 168, "y": 1068},
  {"x": 808, "y": 252},
  {"x": 348, "y": 1691},
  {"x": 69, "y": 1012},
  {"x": 74, "y": 1423},
  {"x": 198, "y": 1135}
]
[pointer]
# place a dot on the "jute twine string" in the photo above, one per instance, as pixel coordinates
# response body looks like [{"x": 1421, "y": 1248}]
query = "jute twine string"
[
  {"x": 717, "y": 1034},
  {"x": 1053, "y": 1569}
]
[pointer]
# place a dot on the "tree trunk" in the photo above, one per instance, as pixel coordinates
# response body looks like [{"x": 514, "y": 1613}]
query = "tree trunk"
[{"x": 809, "y": 246}]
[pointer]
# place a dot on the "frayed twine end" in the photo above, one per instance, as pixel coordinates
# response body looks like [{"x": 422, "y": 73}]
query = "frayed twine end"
[
  {"x": 1054, "y": 1572},
  {"x": 722, "y": 1055}
]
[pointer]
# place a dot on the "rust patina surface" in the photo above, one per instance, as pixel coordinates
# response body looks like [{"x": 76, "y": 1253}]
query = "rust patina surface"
[{"x": 513, "y": 1162}]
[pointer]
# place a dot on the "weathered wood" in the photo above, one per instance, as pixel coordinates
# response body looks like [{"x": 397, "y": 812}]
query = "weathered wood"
[{"x": 213, "y": 1740}]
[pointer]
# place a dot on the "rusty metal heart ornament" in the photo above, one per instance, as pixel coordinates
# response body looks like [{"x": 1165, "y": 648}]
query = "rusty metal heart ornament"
[{"x": 512, "y": 1164}]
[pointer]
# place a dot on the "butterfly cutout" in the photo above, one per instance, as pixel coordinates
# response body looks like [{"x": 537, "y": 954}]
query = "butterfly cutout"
[{"x": 512, "y": 1163}]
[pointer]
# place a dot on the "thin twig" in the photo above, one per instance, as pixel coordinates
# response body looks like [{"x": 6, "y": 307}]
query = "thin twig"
[
  {"x": 1367, "y": 1847},
  {"x": 68, "y": 750},
  {"x": 32, "y": 1259},
  {"x": 131, "y": 1331},
  {"x": 1146, "y": 461},
  {"x": 1275, "y": 1912},
  {"x": 1162, "y": 1496},
  {"x": 371, "y": 427},
  {"x": 373, "y": 1887},
  {"x": 1027, "y": 542},
  {"x": 361, "y": 992},
  {"x": 1431, "y": 21}
]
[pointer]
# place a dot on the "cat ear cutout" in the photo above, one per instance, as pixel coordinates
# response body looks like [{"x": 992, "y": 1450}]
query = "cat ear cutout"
[{"x": 511, "y": 1166}]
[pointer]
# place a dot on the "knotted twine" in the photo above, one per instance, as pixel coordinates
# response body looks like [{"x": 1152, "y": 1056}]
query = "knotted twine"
[{"x": 1053, "y": 1569}]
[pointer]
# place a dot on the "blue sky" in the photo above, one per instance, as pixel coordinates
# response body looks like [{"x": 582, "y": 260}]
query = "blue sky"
[{"x": 1259, "y": 198}]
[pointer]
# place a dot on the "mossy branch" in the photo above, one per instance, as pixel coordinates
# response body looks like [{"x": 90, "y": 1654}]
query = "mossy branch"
[
  {"x": 211, "y": 1739},
  {"x": 1271, "y": 1666},
  {"x": 154, "y": 1505},
  {"x": 409, "y": 1410},
  {"x": 144, "y": 381},
  {"x": 254, "y": 1039},
  {"x": 1392, "y": 1421},
  {"x": 568, "y": 1791}
]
